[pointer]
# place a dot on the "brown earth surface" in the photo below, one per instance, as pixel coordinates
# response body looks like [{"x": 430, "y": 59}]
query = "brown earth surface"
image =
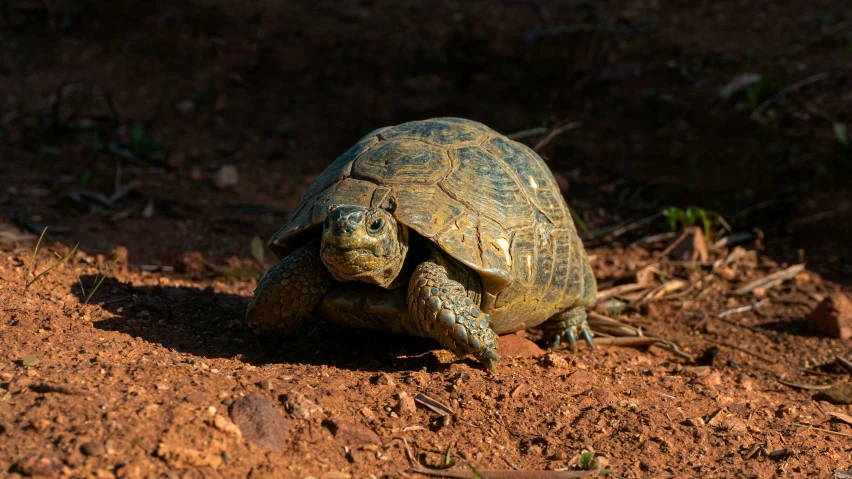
[{"x": 175, "y": 132}]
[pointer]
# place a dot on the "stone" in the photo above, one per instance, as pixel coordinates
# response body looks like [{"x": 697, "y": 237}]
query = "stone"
[
  {"x": 185, "y": 107},
  {"x": 553, "y": 360},
  {"x": 405, "y": 405},
  {"x": 226, "y": 177},
  {"x": 695, "y": 421},
  {"x": 351, "y": 434},
  {"x": 299, "y": 406},
  {"x": 225, "y": 425},
  {"x": 260, "y": 421},
  {"x": 515, "y": 346},
  {"x": 384, "y": 379},
  {"x": 129, "y": 471},
  {"x": 192, "y": 263},
  {"x": 603, "y": 396},
  {"x": 833, "y": 316},
  {"x": 93, "y": 448},
  {"x": 42, "y": 464},
  {"x": 690, "y": 246}
]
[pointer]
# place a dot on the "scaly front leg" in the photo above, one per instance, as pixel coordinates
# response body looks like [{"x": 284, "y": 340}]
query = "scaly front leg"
[
  {"x": 443, "y": 310},
  {"x": 290, "y": 290}
]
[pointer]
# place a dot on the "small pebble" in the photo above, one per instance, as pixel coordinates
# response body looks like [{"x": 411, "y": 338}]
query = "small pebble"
[
  {"x": 553, "y": 360},
  {"x": 260, "y": 421},
  {"x": 384, "y": 379},
  {"x": 405, "y": 406},
  {"x": 833, "y": 316},
  {"x": 299, "y": 406},
  {"x": 185, "y": 107},
  {"x": 227, "y": 177},
  {"x": 43, "y": 464},
  {"x": 351, "y": 434},
  {"x": 30, "y": 360},
  {"x": 93, "y": 449}
]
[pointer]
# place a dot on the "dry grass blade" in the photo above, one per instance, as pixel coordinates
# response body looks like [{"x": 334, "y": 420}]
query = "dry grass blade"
[
  {"x": 844, "y": 363},
  {"x": 611, "y": 327},
  {"x": 99, "y": 280},
  {"x": 621, "y": 289},
  {"x": 40, "y": 275},
  {"x": 32, "y": 260},
  {"x": 742, "y": 309},
  {"x": 811, "y": 387},
  {"x": 840, "y": 417},
  {"x": 734, "y": 239},
  {"x": 433, "y": 405},
  {"x": 627, "y": 341},
  {"x": 500, "y": 473},
  {"x": 771, "y": 280}
]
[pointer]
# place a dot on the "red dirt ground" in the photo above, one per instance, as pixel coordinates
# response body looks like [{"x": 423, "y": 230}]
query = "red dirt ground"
[{"x": 141, "y": 380}]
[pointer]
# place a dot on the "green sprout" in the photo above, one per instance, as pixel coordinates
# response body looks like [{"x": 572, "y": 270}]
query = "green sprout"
[
  {"x": 587, "y": 461},
  {"x": 842, "y": 134},
  {"x": 687, "y": 217},
  {"x": 447, "y": 460},
  {"x": 139, "y": 144}
]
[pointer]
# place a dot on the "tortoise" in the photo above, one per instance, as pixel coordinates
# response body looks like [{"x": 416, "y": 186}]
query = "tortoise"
[{"x": 441, "y": 228}]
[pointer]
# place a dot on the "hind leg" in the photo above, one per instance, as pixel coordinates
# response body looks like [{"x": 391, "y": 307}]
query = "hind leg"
[{"x": 567, "y": 326}]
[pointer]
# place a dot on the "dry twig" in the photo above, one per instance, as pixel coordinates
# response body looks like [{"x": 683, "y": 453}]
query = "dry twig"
[
  {"x": 771, "y": 280},
  {"x": 827, "y": 431},
  {"x": 556, "y": 131},
  {"x": 795, "y": 86}
]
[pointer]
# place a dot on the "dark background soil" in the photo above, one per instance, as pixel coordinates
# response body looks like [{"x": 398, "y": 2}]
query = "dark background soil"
[{"x": 162, "y": 98}]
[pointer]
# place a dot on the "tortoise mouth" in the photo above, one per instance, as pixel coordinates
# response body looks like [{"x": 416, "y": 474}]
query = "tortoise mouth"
[{"x": 350, "y": 262}]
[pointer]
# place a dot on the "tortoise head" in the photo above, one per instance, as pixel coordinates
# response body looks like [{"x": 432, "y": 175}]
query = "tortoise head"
[{"x": 363, "y": 244}]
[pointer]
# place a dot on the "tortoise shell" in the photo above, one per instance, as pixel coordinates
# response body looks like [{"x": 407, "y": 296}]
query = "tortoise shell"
[{"x": 489, "y": 202}]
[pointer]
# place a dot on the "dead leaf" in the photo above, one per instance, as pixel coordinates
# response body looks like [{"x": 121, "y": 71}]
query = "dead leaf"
[{"x": 840, "y": 417}]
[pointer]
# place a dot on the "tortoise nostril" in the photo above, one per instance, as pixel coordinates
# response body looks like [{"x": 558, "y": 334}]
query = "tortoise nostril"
[{"x": 355, "y": 219}]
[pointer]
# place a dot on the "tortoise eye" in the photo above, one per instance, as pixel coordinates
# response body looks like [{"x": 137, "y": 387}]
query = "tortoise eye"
[{"x": 376, "y": 225}]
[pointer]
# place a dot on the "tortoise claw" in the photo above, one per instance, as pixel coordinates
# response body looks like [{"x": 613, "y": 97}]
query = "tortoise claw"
[
  {"x": 555, "y": 340},
  {"x": 587, "y": 335},
  {"x": 490, "y": 365},
  {"x": 572, "y": 339}
]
